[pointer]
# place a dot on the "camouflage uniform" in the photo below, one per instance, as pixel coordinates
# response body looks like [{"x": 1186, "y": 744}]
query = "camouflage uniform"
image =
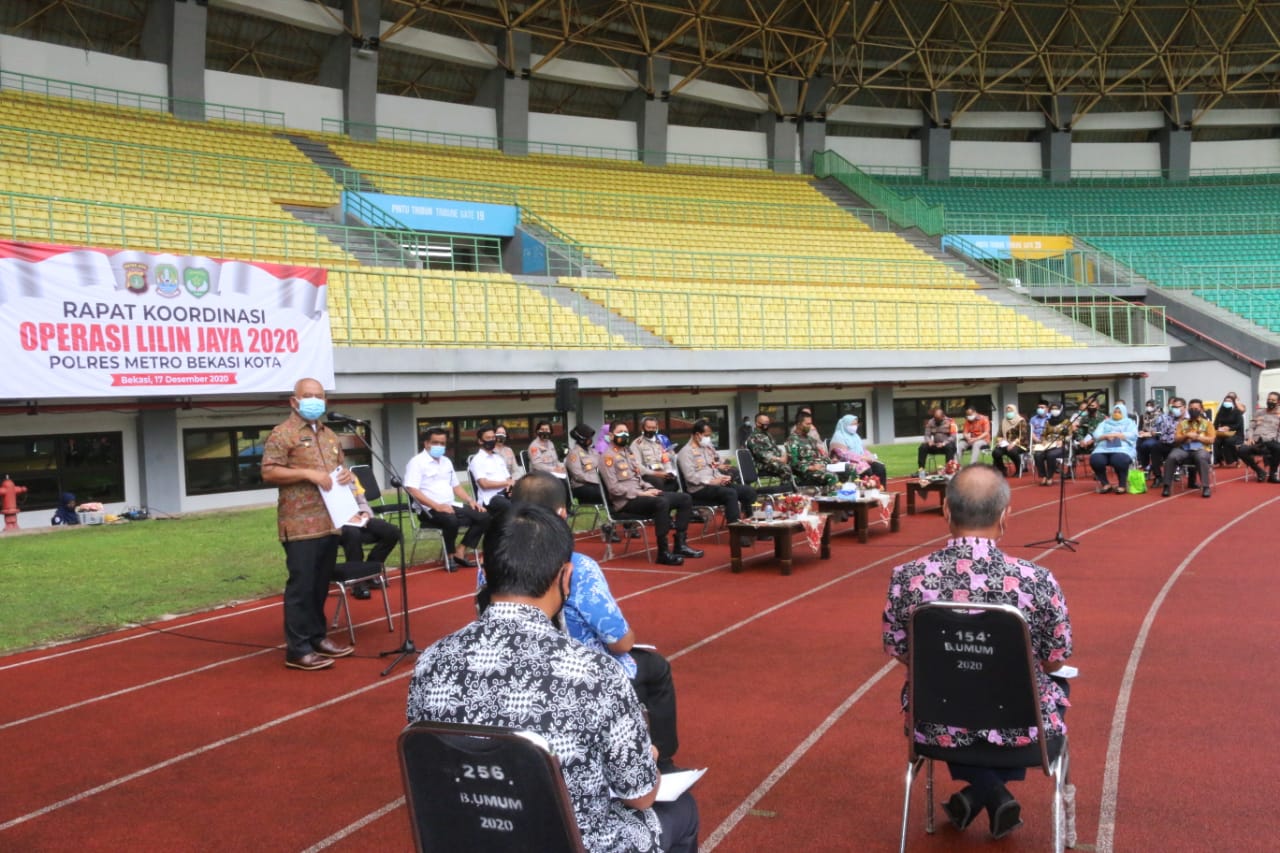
[
  {"x": 803, "y": 452},
  {"x": 763, "y": 450}
]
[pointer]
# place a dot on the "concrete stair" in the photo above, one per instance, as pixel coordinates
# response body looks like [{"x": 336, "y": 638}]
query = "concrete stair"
[
  {"x": 368, "y": 246},
  {"x": 334, "y": 166},
  {"x": 593, "y": 311}
]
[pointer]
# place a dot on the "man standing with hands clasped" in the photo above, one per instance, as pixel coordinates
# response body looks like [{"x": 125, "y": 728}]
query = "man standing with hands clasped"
[{"x": 299, "y": 458}]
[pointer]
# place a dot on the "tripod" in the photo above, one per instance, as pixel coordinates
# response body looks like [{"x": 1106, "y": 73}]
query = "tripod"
[
  {"x": 406, "y": 646},
  {"x": 1060, "y": 538}
]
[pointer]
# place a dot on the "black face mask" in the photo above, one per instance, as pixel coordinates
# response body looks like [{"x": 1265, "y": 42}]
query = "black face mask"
[
  {"x": 1194, "y": 413},
  {"x": 489, "y": 445},
  {"x": 544, "y": 435},
  {"x": 1271, "y": 404},
  {"x": 501, "y": 439},
  {"x": 584, "y": 443},
  {"x": 621, "y": 439},
  {"x": 650, "y": 433}
]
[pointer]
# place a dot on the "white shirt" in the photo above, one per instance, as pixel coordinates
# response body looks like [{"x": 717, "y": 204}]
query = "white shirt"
[
  {"x": 491, "y": 467},
  {"x": 435, "y": 478}
]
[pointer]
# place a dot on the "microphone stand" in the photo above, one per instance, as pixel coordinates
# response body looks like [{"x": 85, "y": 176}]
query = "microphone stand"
[
  {"x": 1060, "y": 539},
  {"x": 406, "y": 647}
]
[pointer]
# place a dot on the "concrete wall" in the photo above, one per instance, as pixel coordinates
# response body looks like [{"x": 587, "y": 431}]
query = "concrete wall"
[
  {"x": 576, "y": 130},
  {"x": 682, "y": 139},
  {"x": 303, "y": 105},
  {"x": 83, "y": 66},
  {"x": 870, "y": 153},
  {"x": 1136, "y": 156},
  {"x": 1236, "y": 154},
  {"x": 416, "y": 113},
  {"x": 995, "y": 155}
]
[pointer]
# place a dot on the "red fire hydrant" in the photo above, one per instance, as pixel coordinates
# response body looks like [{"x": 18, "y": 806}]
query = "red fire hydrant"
[{"x": 9, "y": 502}]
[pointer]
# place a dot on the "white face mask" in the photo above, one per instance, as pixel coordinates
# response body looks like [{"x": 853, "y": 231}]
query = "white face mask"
[{"x": 706, "y": 441}]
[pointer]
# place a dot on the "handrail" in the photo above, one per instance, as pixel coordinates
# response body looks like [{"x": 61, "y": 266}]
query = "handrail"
[
  {"x": 1097, "y": 177},
  {"x": 370, "y": 214},
  {"x": 121, "y": 99},
  {"x": 557, "y": 149},
  {"x": 911, "y": 212}
]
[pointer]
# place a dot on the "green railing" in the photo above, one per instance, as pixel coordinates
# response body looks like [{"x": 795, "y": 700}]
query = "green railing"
[
  {"x": 158, "y": 163},
  {"x": 388, "y": 133},
  {"x": 1119, "y": 178},
  {"x": 121, "y": 99},
  {"x": 661, "y": 263},
  {"x": 904, "y": 212}
]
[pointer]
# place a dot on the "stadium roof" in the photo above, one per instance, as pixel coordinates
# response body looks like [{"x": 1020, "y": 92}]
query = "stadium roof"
[{"x": 944, "y": 58}]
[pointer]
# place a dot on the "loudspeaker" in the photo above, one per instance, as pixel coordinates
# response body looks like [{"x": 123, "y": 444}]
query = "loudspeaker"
[{"x": 567, "y": 395}]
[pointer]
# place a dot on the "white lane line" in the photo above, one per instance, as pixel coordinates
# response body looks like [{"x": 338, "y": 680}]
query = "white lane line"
[
  {"x": 1111, "y": 775},
  {"x": 352, "y": 828},
  {"x": 209, "y": 747},
  {"x": 727, "y": 825}
]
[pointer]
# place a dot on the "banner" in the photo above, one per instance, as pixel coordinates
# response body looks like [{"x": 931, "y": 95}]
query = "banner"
[
  {"x": 80, "y": 322},
  {"x": 443, "y": 215},
  {"x": 1005, "y": 247}
]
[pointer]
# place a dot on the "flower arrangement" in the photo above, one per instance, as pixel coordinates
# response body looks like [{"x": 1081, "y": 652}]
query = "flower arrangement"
[
  {"x": 952, "y": 468},
  {"x": 791, "y": 505},
  {"x": 870, "y": 483}
]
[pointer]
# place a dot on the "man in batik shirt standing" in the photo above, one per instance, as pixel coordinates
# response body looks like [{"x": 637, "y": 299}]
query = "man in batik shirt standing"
[{"x": 971, "y": 567}]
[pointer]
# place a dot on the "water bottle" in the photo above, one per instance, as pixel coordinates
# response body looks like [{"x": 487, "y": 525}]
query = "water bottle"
[{"x": 768, "y": 509}]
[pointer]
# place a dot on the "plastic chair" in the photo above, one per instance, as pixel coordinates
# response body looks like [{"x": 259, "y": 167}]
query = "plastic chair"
[
  {"x": 484, "y": 789},
  {"x": 988, "y": 683}
]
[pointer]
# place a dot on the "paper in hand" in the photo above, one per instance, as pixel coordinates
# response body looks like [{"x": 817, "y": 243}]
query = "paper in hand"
[{"x": 340, "y": 501}]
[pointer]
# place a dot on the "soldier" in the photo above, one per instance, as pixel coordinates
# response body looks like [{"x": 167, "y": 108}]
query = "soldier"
[
  {"x": 629, "y": 494},
  {"x": 1087, "y": 422},
  {"x": 657, "y": 468},
  {"x": 771, "y": 460},
  {"x": 808, "y": 465}
]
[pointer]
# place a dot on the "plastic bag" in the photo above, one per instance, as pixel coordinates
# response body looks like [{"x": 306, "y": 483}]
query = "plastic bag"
[{"x": 1137, "y": 481}]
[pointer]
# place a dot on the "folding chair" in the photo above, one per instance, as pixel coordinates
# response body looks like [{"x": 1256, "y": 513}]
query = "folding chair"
[
  {"x": 373, "y": 493},
  {"x": 705, "y": 513},
  {"x": 1186, "y": 468},
  {"x": 751, "y": 476},
  {"x": 971, "y": 666},
  {"x": 625, "y": 523},
  {"x": 575, "y": 508},
  {"x": 484, "y": 789},
  {"x": 347, "y": 575}
]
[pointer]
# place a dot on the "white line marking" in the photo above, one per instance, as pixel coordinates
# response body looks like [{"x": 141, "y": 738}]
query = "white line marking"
[
  {"x": 353, "y": 828},
  {"x": 209, "y": 747},
  {"x": 727, "y": 825},
  {"x": 1111, "y": 775}
]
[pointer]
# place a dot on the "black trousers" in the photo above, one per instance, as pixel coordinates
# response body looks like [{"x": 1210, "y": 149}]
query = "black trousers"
[
  {"x": 449, "y": 523},
  {"x": 310, "y": 563},
  {"x": 657, "y": 692},
  {"x": 661, "y": 481},
  {"x": 659, "y": 509},
  {"x": 1012, "y": 454},
  {"x": 497, "y": 505},
  {"x": 679, "y": 821},
  {"x": 1227, "y": 448},
  {"x": 948, "y": 451},
  {"x": 732, "y": 497},
  {"x": 1047, "y": 461},
  {"x": 382, "y": 535},
  {"x": 1268, "y": 450},
  {"x": 1100, "y": 459},
  {"x": 1156, "y": 456},
  {"x": 587, "y": 494}
]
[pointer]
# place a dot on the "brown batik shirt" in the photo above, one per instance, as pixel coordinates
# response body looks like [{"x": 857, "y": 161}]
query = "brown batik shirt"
[{"x": 300, "y": 509}]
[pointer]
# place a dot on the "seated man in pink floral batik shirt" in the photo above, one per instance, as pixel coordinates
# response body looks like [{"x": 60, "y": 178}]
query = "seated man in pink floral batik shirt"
[{"x": 971, "y": 567}]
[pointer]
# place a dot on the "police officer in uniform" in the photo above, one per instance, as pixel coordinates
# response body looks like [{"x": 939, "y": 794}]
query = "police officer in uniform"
[
  {"x": 628, "y": 493},
  {"x": 655, "y": 462}
]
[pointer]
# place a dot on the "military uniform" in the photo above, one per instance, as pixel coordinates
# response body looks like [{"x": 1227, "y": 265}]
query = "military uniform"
[
  {"x": 700, "y": 468},
  {"x": 655, "y": 464},
  {"x": 1084, "y": 431},
  {"x": 801, "y": 453},
  {"x": 763, "y": 452},
  {"x": 584, "y": 474},
  {"x": 625, "y": 487}
]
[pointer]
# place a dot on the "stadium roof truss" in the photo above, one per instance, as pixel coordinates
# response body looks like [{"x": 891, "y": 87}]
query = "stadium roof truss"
[{"x": 944, "y": 57}]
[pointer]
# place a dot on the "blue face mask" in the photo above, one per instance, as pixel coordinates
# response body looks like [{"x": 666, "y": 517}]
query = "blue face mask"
[
  {"x": 436, "y": 450},
  {"x": 311, "y": 408},
  {"x": 1227, "y": 404}
]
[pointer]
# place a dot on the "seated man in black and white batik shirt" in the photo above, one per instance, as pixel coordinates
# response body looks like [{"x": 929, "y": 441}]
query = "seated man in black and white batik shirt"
[{"x": 513, "y": 667}]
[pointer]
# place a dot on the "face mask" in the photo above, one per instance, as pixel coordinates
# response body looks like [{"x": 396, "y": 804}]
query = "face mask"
[
  {"x": 970, "y": 417},
  {"x": 311, "y": 408},
  {"x": 1055, "y": 412},
  {"x": 650, "y": 433},
  {"x": 705, "y": 441},
  {"x": 1227, "y": 404},
  {"x": 1271, "y": 404},
  {"x": 436, "y": 450},
  {"x": 1150, "y": 409},
  {"x": 1116, "y": 416},
  {"x": 1093, "y": 410},
  {"x": 1194, "y": 413},
  {"x": 621, "y": 438},
  {"x": 763, "y": 427},
  {"x": 1008, "y": 416},
  {"x": 501, "y": 439},
  {"x": 1176, "y": 411},
  {"x": 544, "y": 435},
  {"x": 1039, "y": 410},
  {"x": 489, "y": 445}
]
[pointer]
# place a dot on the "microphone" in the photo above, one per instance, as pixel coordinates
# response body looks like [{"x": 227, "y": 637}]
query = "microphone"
[{"x": 339, "y": 418}]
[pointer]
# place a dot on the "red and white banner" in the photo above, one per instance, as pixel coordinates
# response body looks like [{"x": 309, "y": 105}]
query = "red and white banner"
[{"x": 78, "y": 322}]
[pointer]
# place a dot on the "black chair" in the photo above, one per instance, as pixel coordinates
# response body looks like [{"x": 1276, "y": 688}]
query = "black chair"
[
  {"x": 751, "y": 476},
  {"x": 704, "y": 513},
  {"x": 484, "y": 789},
  {"x": 626, "y": 523},
  {"x": 373, "y": 494},
  {"x": 972, "y": 666}
]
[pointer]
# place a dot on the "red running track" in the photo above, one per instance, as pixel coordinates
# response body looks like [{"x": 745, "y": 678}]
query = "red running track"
[{"x": 191, "y": 735}]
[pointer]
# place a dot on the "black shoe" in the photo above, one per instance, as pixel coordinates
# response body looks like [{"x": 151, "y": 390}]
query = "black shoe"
[
  {"x": 961, "y": 808},
  {"x": 1206, "y": 492},
  {"x": 1166, "y": 491},
  {"x": 609, "y": 534},
  {"x": 464, "y": 562},
  {"x": 449, "y": 565},
  {"x": 666, "y": 558},
  {"x": 1274, "y": 478},
  {"x": 682, "y": 547},
  {"x": 361, "y": 591},
  {"x": 1006, "y": 814}
]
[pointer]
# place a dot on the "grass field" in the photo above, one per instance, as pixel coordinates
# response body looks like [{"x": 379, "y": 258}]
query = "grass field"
[{"x": 78, "y": 581}]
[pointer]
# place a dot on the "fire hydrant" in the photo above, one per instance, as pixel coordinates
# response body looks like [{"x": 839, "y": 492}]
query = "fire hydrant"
[{"x": 9, "y": 502}]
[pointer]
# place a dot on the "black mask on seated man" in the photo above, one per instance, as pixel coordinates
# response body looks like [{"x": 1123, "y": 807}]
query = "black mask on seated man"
[
  {"x": 490, "y": 444},
  {"x": 544, "y": 435},
  {"x": 650, "y": 433},
  {"x": 1194, "y": 413}
]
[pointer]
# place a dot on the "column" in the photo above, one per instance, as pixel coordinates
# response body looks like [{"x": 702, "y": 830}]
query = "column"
[
  {"x": 1175, "y": 138},
  {"x": 880, "y": 429},
  {"x": 935, "y": 138},
  {"x": 399, "y": 440},
  {"x": 1127, "y": 390},
  {"x": 1006, "y": 396},
  {"x": 779, "y": 127},
  {"x": 648, "y": 107},
  {"x": 590, "y": 411},
  {"x": 1055, "y": 139},
  {"x": 813, "y": 121},
  {"x": 745, "y": 404},
  {"x": 351, "y": 64},
  {"x": 174, "y": 33},
  {"x": 160, "y": 459},
  {"x": 506, "y": 91}
]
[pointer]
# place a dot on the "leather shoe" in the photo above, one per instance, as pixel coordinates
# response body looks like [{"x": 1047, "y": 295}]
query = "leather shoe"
[
  {"x": 1206, "y": 492},
  {"x": 361, "y": 591},
  {"x": 961, "y": 808},
  {"x": 329, "y": 649},
  {"x": 1166, "y": 491},
  {"x": 464, "y": 562},
  {"x": 1006, "y": 814},
  {"x": 308, "y": 662}
]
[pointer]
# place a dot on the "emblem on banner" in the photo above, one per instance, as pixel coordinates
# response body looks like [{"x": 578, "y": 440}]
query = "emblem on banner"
[
  {"x": 135, "y": 278},
  {"x": 167, "y": 280},
  {"x": 196, "y": 281}
]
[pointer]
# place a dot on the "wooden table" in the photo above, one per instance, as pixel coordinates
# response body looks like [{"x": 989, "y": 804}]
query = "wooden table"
[
  {"x": 781, "y": 533},
  {"x": 916, "y": 487},
  {"x": 860, "y": 510}
]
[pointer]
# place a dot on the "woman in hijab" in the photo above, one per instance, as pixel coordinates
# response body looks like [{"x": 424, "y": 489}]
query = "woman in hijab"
[
  {"x": 1115, "y": 444},
  {"x": 1052, "y": 446},
  {"x": 846, "y": 446},
  {"x": 1228, "y": 426},
  {"x": 1015, "y": 438},
  {"x": 66, "y": 511},
  {"x": 601, "y": 446}
]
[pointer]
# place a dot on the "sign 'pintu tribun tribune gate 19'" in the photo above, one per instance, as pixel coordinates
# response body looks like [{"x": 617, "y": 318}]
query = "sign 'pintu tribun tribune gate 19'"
[{"x": 82, "y": 322}]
